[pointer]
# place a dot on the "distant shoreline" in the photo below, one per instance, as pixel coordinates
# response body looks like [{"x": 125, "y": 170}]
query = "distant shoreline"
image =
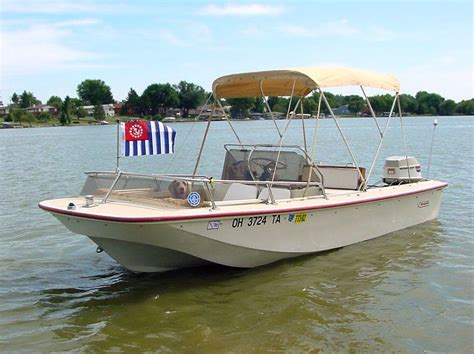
[{"x": 84, "y": 122}]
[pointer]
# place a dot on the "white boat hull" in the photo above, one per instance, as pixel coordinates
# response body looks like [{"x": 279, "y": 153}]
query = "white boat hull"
[{"x": 256, "y": 236}]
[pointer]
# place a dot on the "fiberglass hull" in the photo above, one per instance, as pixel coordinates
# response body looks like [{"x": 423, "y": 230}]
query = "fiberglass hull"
[{"x": 147, "y": 240}]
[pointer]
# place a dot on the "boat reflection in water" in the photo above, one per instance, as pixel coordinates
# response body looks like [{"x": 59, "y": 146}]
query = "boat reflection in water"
[{"x": 311, "y": 300}]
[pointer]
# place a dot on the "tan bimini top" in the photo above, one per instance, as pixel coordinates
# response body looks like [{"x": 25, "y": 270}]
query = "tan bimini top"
[{"x": 305, "y": 80}]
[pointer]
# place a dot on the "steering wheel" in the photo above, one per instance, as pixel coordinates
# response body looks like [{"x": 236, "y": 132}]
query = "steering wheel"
[
  {"x": 240, "y": 170},
  {"x": 268, "y": 166}
]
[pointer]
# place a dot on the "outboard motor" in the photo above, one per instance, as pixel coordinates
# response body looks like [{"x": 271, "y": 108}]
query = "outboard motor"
[{"x": 401, "y": 169}]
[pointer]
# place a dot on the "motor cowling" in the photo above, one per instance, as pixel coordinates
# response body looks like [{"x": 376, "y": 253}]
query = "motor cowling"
[{"x": 401, "y": 169}]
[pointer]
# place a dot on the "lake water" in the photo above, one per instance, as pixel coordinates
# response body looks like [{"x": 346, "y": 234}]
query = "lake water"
[{"x": 409, "y": 291}]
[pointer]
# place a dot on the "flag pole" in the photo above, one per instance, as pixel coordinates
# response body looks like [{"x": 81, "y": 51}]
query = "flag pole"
[{"x": 118, "y": 146}]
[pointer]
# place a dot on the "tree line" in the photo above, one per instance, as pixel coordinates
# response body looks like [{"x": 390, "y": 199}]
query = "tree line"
[
  {"x": 157, "y": 99},
  {"x": 154, "y": 103},
  {"x": 423, "y": 103}
]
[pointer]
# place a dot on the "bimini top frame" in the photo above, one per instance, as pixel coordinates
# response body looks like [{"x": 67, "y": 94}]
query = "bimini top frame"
[{"x": 299, "y": 83}]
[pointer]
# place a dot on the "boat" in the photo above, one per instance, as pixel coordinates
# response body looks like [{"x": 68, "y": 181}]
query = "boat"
[{"x": 272, "y": 201}]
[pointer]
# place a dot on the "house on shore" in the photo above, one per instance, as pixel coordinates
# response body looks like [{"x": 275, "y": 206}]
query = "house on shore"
[
  {"x": 342, "y": 110},
  {"x": 4, "y": 110},
  {"x": 207, "y": 111},
  {"x": 35, "y": 109},
  {"x": 109, "y": 110},
  {"x": 41, "y": 108}
]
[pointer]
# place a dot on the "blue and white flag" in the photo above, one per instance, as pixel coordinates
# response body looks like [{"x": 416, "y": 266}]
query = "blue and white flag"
[{"x": 146, "y": 138}]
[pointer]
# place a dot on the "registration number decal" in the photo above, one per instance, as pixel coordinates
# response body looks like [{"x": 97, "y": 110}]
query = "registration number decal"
[
  {"x": 261, "y": 220},
  {"x": 258, "y": 220}
]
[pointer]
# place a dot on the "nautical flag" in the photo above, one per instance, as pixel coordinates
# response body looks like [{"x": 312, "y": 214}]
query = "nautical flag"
[{"x": 146, "y": 138}]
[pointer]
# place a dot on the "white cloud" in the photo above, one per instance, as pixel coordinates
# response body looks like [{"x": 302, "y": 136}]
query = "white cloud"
[
  {"x": 44, "y": 6},
  {"x": 66, "y": 6},
  {"x": 190, "y": 34},
  {"x": 380, "y": 34},
  {"x": 340, "y": 28},
  {"x": 41, "y": 48},
  {"x": 241, "y": 10},
  {"x": 447, "y": 59},
  {"x": 171, "y": 38},
  {"x": 254, "y": 31},
  {"x": 77, "y": 22}
]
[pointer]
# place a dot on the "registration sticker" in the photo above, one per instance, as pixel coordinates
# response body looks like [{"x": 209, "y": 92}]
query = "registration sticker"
[
  {"x": 297, "y": 218},
  {"x": 300, "y": 217},
  {"x": 213, "y": 225}
]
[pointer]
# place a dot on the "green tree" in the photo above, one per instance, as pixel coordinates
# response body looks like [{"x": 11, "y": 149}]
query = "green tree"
[
  {"x": 355, "y": 103},
  {"x": 465, "y": 107},
  {"x": 190, "y": 96},
  {"x": 132, "y": 103},
  {"x": 80, "y": 112},
  {"x": 332, "y": 100},
  {"x": 408, "y": 103},
  {"x": 309, "y": 106},
  {"x": 99, "y": 113},
  {"x": 348, "y": 99},
  {"x": 66, "y": 110},
  {"x": 124, "y": 111},
  {"x": 428, "y": 103},
  {"x": 158, "y": 98},
  {"x": 447, "y": 108},
  {"x": 19, "y": 116},
  {"x": 15, "y": 115},
  {"x": 293, "y": 103},
  {"x": 338, "y": 101},
  {"x": 28, "y": 118},
  {"x": 259, "y": 105},
  {"x": 76, "y": 108},
  {"x": 240, "y": 106},
  {"x": 62, "y": 118},
  {"x": 381, "y": 103},
  {"x": 43, "y": 117},
  {"x": 278, "y": 104},
  {"x": 15, "y": 99},
  {"x": 55, "y": 101},
  {"x": 27, "y": 99},
  {"x": 357, "y": 106},
  {"x": 94, "y": 92}
]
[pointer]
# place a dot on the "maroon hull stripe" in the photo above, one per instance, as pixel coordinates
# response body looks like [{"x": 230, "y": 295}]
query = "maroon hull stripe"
[{"x": 228, "y": 214}]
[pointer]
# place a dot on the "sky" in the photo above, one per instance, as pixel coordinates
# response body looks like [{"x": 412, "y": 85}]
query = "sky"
[{"x": 49, "y": 46}]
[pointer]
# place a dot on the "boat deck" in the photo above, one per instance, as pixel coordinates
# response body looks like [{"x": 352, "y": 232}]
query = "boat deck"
[{"x": 167, "y": 210}]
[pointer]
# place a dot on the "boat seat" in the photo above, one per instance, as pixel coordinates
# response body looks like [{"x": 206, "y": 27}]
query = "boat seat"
[
  {"x": 337, "y": 177},
  {"x": 278, "y": 193},
  {"x": 300, "y": 192},
  {"x": 220, "y": 190},
  {"x": 240, "y": 191}
]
